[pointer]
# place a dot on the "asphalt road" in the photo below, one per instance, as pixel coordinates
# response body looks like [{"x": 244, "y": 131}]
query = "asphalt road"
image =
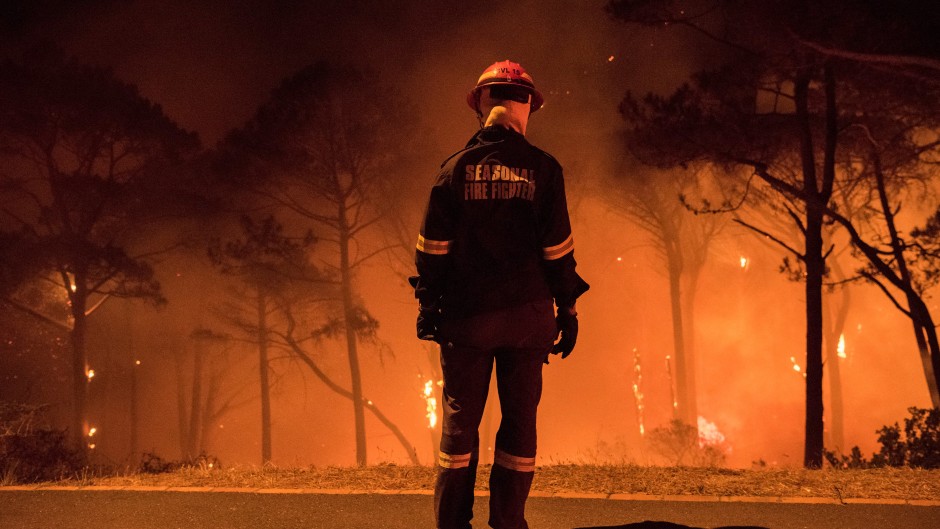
[{"x": 45, "y": 509}]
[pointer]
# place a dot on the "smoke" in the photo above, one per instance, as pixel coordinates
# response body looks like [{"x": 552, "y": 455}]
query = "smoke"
[{"x": 210, "y": 64}]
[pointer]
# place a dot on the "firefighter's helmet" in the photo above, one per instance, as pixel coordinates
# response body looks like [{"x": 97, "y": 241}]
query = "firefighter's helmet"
[{"x": 505, "y": 73}]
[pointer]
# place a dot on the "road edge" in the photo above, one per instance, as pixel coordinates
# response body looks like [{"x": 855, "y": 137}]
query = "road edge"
[{"x": 482, "y": 493}]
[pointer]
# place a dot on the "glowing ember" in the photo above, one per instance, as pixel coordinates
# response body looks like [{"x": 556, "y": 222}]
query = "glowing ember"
[
  {"x": 744, "y": 262},
  {"x": 610, "y": 59},
  {"x": 708, "y": 434},
  {"x": 796, "y": 367},
  {"x": 91, "y": 446},
  {"x": 92, "y": 431},
  {"x": 840, "y": 349},
  {"x": 431, "y": 403},
  {"x": 137, "y": 362},
  {"x": 90, "y": 373}
]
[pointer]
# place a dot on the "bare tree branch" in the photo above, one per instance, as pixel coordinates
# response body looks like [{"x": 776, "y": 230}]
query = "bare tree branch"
[{"x": 773, "y": 238}]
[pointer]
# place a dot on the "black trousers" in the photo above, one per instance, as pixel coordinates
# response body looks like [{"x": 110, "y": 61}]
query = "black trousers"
[{"x": 516, "y": 341}]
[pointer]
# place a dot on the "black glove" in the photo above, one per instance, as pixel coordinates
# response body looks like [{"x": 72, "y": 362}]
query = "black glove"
[
  {"x": 567, "y": 322},
  {"x": 429, "y": 319}
]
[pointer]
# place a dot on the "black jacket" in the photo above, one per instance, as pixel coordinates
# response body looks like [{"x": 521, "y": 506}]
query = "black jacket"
[{"x": 496, "y": 232}]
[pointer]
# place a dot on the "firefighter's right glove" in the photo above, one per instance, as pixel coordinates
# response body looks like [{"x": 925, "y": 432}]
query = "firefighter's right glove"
[
  {"x": 429, "y": 320},
  {"x": 567, "y": 322}
]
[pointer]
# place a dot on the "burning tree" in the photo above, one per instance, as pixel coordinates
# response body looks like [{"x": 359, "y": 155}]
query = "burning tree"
[
  {"x": 85, "y": 157},
  {"x": 795, "y": 147},
  {"x": 322, "y": 150}
]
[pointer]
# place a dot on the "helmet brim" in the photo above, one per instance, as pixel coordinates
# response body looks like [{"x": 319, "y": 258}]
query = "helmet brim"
[{"x": 473, "y": 97}]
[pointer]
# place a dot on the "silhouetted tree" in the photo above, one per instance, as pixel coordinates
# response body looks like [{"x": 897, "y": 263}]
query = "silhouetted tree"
[
  {"x": 791, "y": 144},
  {"x": 270, "y": 265},
  {"x": 295, "y": 295},
  {"x": 206, "y": 391},
  {"x": 886, "y": 251},
  {"x": 322, "y": 149},
  {"x": 654, "y": 201},
  {"x": 84, "y": 159}
]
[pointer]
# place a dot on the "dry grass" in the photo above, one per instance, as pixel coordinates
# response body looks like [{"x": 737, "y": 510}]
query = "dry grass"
[
  {"x": 888, "y": 483},
  {"x": 885, "y": 483}
]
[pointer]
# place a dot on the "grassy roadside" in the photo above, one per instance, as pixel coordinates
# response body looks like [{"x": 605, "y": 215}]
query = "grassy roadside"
[{"x": 885, "y": 483}]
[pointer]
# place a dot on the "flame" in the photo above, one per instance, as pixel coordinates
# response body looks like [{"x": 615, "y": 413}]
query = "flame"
[
  {"x": 431, "y": 403},
  {"x": 840, "y": 349},
  {"x": 708, "y": 433},
  {"x": 638, "y": 391},
  {"x": 796, "y": 367},
  {"x": 672, "y": 389}
]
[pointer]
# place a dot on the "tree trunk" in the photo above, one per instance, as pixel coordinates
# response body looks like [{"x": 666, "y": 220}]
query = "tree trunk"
[
  {"x": 688, "y": 325},
  {"x": 78, "y": 297},
  {"x": 815, "y": 270},
  {"x": 135, "y": 412},
  {"x": 264, "y": 378},
  {"x": 683, "y": 405},
  {"x": 835, "y": 331},
  {"x": 931, "y": 330},
  {"x": 350, "y": 317},
  {"x": 195, "y": 405},
  {"x": 924, "y": 332},
  {"x": 182, "y": 419},
  {"x": 208, "y": 415},
  {"x": 134, "y": 418}
]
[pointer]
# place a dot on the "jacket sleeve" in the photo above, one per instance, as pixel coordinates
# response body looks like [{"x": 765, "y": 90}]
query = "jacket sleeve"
[
  {"x": 558, "y": 246},
  {"x": 433, "y": 257}
]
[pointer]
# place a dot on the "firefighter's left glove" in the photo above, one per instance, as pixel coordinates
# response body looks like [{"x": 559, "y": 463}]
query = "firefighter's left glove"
[
  {"x": 567, "y": 322},
  {"x": 429, "y": 320}
]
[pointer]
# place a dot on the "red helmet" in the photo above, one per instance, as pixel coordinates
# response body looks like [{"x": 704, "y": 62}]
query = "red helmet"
[{"x": 505, "y": 73}]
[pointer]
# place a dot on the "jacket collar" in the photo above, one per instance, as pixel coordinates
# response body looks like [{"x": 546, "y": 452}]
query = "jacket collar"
[{"x": 494, "y": 134}]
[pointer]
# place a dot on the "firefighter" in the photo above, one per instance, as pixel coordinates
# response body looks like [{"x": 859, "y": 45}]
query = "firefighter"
[{"x": 495, "y": 257}]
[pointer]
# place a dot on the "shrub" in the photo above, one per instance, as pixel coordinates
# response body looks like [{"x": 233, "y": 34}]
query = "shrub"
[
  {"x": 680, "y": 444},
  {"x": 30, "y": 450},
  {"x": 920, "y": 447},
  {"x": 151, "y": 463}
]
